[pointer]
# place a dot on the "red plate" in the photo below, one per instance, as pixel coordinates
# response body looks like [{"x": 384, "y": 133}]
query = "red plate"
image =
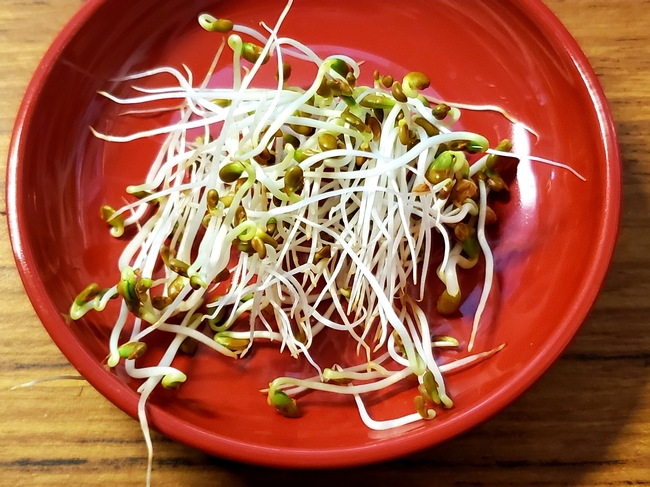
[{"x": 552, "y": 248}]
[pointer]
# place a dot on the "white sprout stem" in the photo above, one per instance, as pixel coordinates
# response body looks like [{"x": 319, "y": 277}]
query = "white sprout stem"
[
  {"x": 469, "y": 360},
  {"x": 489, "y": 263},
  {"x": 145, "y": 391},
  {"x": 387, "y": 308},
  {"x": 391, "y": 423},
  {"x": 480, "y": 164},
  {"x": 346, "y": 389},
  {"x": 485, "y": 108}
]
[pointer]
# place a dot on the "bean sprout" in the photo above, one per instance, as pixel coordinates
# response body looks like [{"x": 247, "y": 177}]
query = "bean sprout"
[{"x": 273, "y": 214}]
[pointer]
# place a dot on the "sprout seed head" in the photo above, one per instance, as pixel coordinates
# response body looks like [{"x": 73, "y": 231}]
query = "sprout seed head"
[
  {"x": 231, "y": 172},
  {"x": 251, "y": 52},
  {"x": 430, "y": 129},
  {"x": 327, "y": 141},
  {"x": 471, "y": 246},
  {"x": 116, "y": 222},
  {"x": 398, "y": 92},
  {"x": 440, "y": 111},
  {"x": 212, "y": 200},
  {"x": 448, "y": 304},
  {"x": 323, "y": 253},
  {"x": 340, "y": 66},
  {"x": 494, "y": 160},
  {"x": 212, "y": 24},
  {"x": 285, "y": 405},
  {"x": 413, "y": 82},
  {"x": 258, "y": 245},
  {"x": 271, "y": 226},
  {"x": 286, "y": 72},
  {"x": 377, "y": 101},
  {"x": 173, "y": 380},
  {"x": 132, "y": 350},
  {"x": 431, "y": 386},
  {"x": 234, "y": 344},
  {"x": 294, "y": 179}
]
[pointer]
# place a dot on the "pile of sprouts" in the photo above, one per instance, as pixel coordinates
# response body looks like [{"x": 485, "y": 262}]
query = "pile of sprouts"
[{"x": 273, "y": 214}]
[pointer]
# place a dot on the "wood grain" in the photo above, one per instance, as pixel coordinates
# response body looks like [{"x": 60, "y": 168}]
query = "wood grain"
[{"x": 585, "y": 423}]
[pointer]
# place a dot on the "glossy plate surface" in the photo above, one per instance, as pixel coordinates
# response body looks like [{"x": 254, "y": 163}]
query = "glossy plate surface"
[{"x": 552, "y": 246}]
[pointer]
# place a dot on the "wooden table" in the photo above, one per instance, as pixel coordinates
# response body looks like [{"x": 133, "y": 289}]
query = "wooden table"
[{"x": 585, "y": 423}]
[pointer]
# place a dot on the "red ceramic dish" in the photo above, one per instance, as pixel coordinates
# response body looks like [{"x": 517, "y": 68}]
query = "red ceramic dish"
[{"x": 552, "y": 248}]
